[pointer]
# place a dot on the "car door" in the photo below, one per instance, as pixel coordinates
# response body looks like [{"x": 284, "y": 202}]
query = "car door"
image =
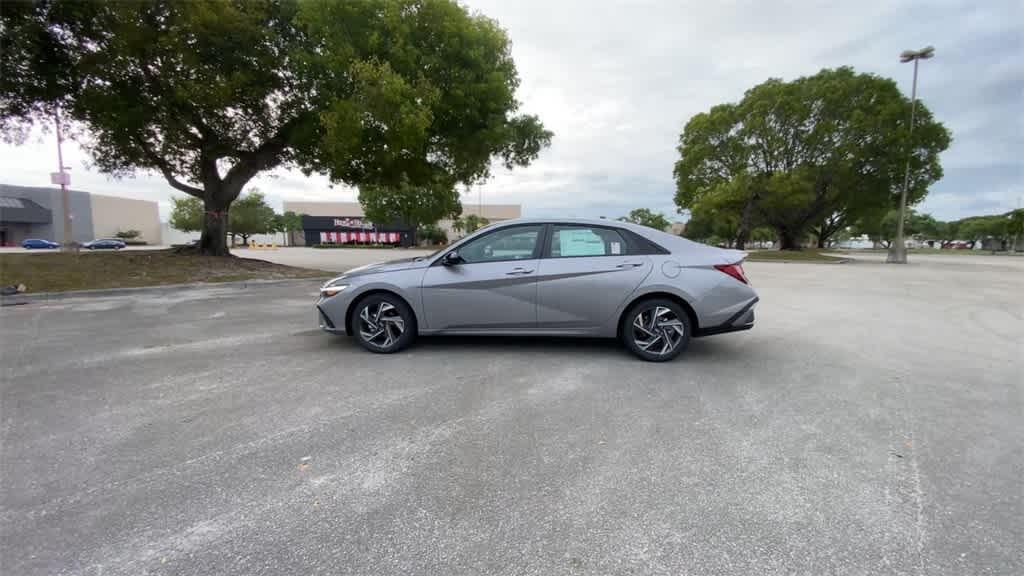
[
  {"x": 493, "y": 287},
  {"x": 585, "y": 274}
]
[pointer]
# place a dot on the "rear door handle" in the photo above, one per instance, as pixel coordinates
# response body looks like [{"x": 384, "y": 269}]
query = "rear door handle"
[
  {"x": 518, "y": 272},
  {"x": 630, "y": 265}
]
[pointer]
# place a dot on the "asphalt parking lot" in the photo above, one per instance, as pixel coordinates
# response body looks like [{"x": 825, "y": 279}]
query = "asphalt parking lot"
[{"x": 871, "y": 423}]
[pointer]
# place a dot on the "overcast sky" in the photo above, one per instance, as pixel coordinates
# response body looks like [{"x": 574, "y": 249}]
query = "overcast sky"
[{"x": 616, "y": 82}]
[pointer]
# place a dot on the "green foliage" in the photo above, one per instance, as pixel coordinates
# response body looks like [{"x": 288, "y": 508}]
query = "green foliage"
[
  {"x": 645, "y": 217},
  {"x": 983, "y": 227},
  {"x": 290, "y": 222},
  {"x": 186, "y": 214},
  {"x": 209, "y": 94},
  {"x": 915, "y": 225},
  {"x": 762, "y": 234},
  {"x": 823, "y": 150},
  {"x": 128, "y": 234},
  {"x": 472, "y": 223},
  {"x": 409, "y": 204},
  {"x": 433, "y": 234},
  {"x": 1015, "y": 223},
  {"x": 458, "y": 225},
  {"x": 251, "y": 215}
]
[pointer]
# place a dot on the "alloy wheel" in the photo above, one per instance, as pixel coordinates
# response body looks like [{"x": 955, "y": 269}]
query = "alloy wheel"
[
  {"x": 658, "y": 330},
  {"x": 381, "y": 324}
]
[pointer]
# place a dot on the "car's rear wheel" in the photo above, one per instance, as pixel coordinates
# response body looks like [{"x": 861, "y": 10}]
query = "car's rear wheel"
[
  {"x": 383, "y": 323},
  {"x": 656, "y": 330}
]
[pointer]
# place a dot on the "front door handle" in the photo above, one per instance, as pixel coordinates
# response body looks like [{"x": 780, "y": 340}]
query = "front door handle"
[
  {"x": 630, "y": 265},
  {"x": 518, "y": 272}
]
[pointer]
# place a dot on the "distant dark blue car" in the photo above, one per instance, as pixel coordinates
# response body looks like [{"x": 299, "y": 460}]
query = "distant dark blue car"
[
  {"x": 38, "y": 244},
  {"x": 104, "y": 244}
]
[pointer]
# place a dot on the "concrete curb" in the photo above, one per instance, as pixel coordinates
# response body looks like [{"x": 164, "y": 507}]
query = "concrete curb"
[{"x": 27, "y": 298}]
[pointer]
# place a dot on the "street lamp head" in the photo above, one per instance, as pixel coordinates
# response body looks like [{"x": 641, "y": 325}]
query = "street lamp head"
[{"x": 922, "y": 54}]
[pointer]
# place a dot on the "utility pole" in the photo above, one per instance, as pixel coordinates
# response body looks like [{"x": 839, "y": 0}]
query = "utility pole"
[
  {"x": 898, "y": 249},
  {"x": 63, "y": 178}
]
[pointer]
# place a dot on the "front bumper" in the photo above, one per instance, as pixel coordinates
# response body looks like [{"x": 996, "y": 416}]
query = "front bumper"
[{"x": 331, "y": 313}]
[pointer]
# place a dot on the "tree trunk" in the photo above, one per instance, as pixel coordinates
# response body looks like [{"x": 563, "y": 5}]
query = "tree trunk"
[
  {"x": 215, "y": 229},
  {"x": 787, "y": 241},
  {"x": 743, "y": 231}
]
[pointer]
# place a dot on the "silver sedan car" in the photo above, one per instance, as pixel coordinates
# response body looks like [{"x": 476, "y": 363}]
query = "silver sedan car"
[{"x": 551, "y": 277}]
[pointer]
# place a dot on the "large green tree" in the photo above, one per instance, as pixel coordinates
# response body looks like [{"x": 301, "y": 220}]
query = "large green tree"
[
  {"x": 251, "y": 215},
  {"x": 290, "y": 223},
  {"x": 211, "y": 93},
  {"x": 814, "y": 153},
  {"x": 998, "y": 228},
  {"x": 1015, "y": 228},
  {"x": 647, "y": 217},
  {"x": 915, "y": 225},
  {"x": 186, "y": 214}
]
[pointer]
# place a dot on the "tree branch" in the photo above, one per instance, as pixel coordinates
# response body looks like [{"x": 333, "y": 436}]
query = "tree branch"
[
  {"x": 165, "y": 169},
  {"x": 251, "y": 162}
]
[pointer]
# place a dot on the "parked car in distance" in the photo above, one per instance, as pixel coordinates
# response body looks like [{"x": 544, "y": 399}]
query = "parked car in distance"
[
  {"x": 957, "y": 245},
  {"x": 38, "y": 244},
  {"x": 553, "y": 277},
  {"x": 104, "y": 244}
]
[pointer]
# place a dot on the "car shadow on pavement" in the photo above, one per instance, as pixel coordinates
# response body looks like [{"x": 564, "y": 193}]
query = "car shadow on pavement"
[
  {"x": 519, "y": 343},
  {"x": 698, "y": 349}
]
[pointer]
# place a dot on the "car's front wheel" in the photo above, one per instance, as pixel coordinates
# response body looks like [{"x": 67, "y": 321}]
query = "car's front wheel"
[
  {"x": 383, "y": 323},
  {"x": 656, "y": 330}
]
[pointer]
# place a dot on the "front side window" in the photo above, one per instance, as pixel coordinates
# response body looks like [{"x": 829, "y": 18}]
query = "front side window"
[
  {"x": 514, "y": 243},
  {"x": 569, "y": 241}
]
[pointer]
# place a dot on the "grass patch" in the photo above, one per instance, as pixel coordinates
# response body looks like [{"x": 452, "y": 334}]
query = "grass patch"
[
  {"x": 947, "y": 251},
  {"x": 58, "y": 272},
  {"x": 791, "y": 256}
]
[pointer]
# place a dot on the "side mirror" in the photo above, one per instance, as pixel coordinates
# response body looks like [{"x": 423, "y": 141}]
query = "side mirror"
[{"x": 452, "y": 258}]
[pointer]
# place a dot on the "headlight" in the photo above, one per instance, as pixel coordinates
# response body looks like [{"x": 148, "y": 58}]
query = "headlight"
[
  {"x": 329, "y": 291},
  {"x": 332, "y": 287}
]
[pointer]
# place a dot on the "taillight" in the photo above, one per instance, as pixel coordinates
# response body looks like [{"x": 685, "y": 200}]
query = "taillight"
[{"x": 734, "y": 270}]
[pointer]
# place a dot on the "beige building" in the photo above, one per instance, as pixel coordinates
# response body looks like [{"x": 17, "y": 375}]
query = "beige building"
[
  {"x": 37, "y": 212},
  {"x": 112, "y": 214}
]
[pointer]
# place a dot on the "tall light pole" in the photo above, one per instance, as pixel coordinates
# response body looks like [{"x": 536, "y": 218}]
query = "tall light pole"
[
  {"x": 64, "y": 179},
  {"x": 898, "y": 249}
]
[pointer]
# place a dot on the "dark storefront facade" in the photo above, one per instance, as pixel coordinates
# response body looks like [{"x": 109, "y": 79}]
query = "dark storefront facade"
[{"x": 349, "y": 230}]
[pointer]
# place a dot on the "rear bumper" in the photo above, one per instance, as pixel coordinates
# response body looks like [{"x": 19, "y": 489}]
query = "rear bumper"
[{"x": 741, "y": 320}]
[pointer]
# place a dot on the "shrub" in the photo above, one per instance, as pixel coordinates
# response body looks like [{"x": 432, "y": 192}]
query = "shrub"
[{"x": 432, "y": 234}]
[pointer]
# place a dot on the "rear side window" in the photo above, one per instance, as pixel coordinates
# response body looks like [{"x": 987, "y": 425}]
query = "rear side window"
[
  {"x": 641, "y": 245},
  {"x": 573, "y": 241}
]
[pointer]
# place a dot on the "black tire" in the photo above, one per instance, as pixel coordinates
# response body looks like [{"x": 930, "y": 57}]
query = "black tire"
[
  {"x": 386, "y": 314},
  {"x": 670, "y": 327}
]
